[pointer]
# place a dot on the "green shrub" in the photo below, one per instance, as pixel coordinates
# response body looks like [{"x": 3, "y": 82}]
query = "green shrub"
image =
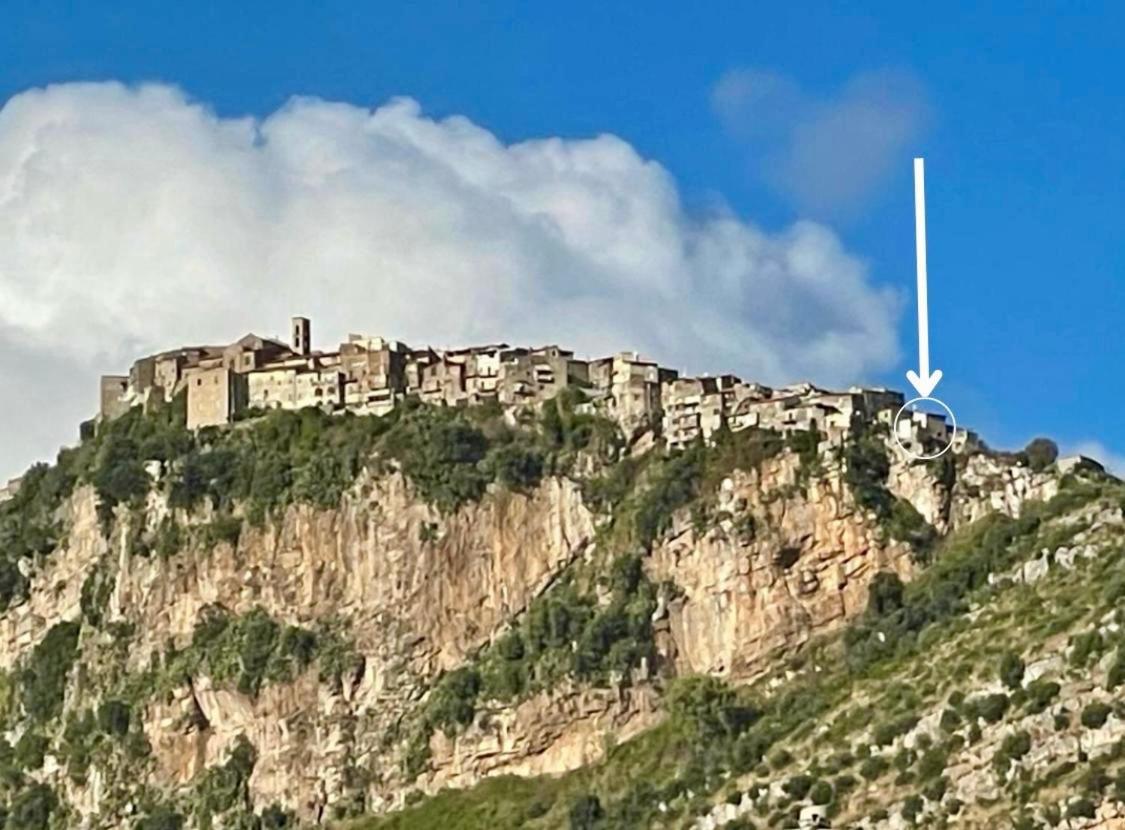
[
  {"x": 275, "y": 817},
  {"x": 224, "y": 529},
  {"x": 798, "y": 786},
  {"x": 114, "y": 717},
  {"x": 96, "y": 591},
  {"x": 1011, "y": 670},
  {"x": 453, "y": 702},
  {"x": 1040, "y": 694},
  {"x": 163, "y": 818},
  {"x": 821, "y": 793},
  {"x": 43, "y": 676},
  {"x": 867, "y": 466},
  {"x": 585, "y": 813},
  {"x": 1094, "y": 715},
  {"x": 866, "y": 470},
  {"x": 989, "y": 707},
  {"x": 874, "y": 767},
  {"x": 779, "y": 759},
  {"x": 78, "y": 741},
  {"x": 932, "y": 763},
  {"x": 1116, "y": 674},
  {"x": 253, "y": 649},
  {"x": 516, "y": 467},
  {"x": 1080, "y": 808},
  {"x": 1041, "y": 453},
  {"x": 30, "y": 749},
  {"x": 912, "y": 807},
  {"x": 225, "y": 787},
  {"x": 708, "y": 709},
  {"x": 1086, "y": 647},
  {"x": 885, "y": 593},
  {"x": 29, "y": 523},
  {"x": 906, "y": 524},
  {"x": 32, "y": 808},
  {"x": 950, "y": 720},
  {"x": 844, "y": 784},
  {"x": 440, "y": 451},
  {"x": 886, "y": 732},
  {"x": 675, "y": 483},
  {"x": 1016, "y": 745},
  {"x": 935, "y": 789},
  {"x": 1095, "y": 780},
  {"x": 119, "y": 475}
]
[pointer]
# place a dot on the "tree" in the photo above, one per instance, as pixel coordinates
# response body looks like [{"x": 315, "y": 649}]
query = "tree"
[
  {"x": 32, "y": 808},
  {"x": 517, "y": 467},
  {"x": 821, "y": 793},
  {"x": 709, "y": 709},
  {"x": 1095, "y": 715},
  {"x": 113, "y": 717},
  {"x": 275, "y": 818},
  {"x": 1041, "y": 453},
  {"x": 586, "y": 813},
  {"x": 43, "y": 678},
  {"x": 884, "y": 594},
  {"x": 1011, "y": 670}
]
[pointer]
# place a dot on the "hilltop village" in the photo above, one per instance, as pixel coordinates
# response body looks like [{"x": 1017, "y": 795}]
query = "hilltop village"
[{"x": 372, "y": 375}]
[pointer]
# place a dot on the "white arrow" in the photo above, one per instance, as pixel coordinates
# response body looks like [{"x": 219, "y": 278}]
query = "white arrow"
[{"x": 922, "y": 380}]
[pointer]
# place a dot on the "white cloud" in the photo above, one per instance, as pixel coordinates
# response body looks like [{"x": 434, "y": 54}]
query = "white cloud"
[
  {"x": 1114, "y": 462},
  {"x": 133, "y": 219},
  {"x": 828, "y": 155}
]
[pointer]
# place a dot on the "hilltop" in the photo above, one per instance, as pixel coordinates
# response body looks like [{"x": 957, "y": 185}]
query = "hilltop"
[{"x": 618, "y": 598}]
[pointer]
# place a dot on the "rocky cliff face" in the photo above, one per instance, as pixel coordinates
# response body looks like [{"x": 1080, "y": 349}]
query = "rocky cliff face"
[{"x": 784, "y": 556}]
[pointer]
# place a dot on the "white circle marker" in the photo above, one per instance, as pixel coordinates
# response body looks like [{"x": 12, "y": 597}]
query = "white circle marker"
[{"x": 952, "y": 432}]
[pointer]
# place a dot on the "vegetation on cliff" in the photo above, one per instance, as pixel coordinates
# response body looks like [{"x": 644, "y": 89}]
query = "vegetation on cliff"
[
  {"x": 565, "y": 633},
  {"x": 872, "y": 721},
  {"x": 595, "y": 624},
  {"x": 866, "y": 467},
  {"x": 834, "y": 732},
  {"x": 253, "y": 649}
]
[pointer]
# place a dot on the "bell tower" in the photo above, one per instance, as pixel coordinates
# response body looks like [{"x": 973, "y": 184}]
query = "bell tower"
[{"x": 302, "y": 336}]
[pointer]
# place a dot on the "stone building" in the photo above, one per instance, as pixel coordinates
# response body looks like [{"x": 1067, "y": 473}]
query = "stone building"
[
  {"x": 215, "y": 394},
  {"x": 372, "y": 375},
  {"x": 527, "y": 376},
  {"x": 113, "y": 392},
  {"x": 296, "y": 384},
  {"x": 632, "y": 388}
]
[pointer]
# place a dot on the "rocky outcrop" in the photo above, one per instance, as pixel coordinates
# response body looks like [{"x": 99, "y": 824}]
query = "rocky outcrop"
[
  {"x": 749, "y": 588},
  {"x": 549, "y": 733},
  {"x": 783, "y": 555},
  {"x": 418, "y": 592},
  {"x": 384, "y": 562},
  {"x": 56, "y": 583}
]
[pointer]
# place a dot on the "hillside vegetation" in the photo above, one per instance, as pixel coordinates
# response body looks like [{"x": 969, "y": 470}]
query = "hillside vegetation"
[
  {"x": 987, "y": 688},
  {"x": 968, "y": 680}
]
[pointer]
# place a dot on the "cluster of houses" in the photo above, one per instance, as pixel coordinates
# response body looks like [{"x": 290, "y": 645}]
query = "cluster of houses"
[{"x": 372, "y": 375}]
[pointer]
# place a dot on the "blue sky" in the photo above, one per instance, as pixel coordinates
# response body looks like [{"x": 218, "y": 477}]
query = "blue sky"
[{"x": 1019, "y": 115}]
